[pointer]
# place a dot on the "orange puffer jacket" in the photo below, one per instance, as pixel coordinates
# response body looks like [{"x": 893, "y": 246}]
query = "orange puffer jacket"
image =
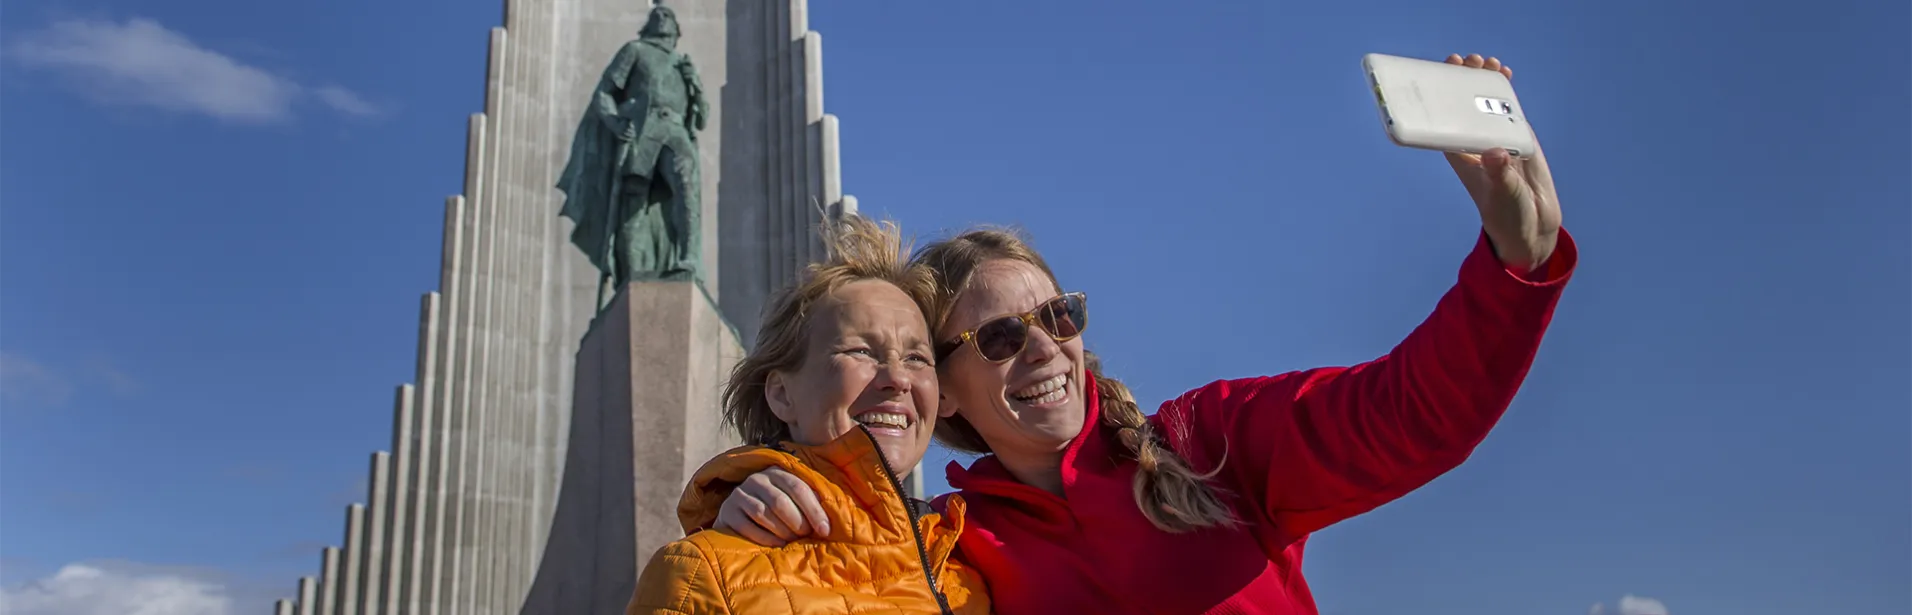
[{"x": 874, "y": 560}]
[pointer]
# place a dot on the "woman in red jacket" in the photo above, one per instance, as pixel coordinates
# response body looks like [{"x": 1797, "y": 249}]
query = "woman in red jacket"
[{"x": 1084, "y": 505}]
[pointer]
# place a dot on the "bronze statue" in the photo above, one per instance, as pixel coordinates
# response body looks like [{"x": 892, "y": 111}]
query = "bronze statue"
[{"x": 632, "y": 182}]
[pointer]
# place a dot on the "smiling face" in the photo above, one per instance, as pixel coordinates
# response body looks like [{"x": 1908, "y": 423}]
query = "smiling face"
[
  {"x": 1032, "y": 404},
  {"x": 866, "y": 360}
]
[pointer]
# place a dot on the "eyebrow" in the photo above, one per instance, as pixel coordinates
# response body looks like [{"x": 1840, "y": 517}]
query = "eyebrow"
[{"x": 910, "y": 341}]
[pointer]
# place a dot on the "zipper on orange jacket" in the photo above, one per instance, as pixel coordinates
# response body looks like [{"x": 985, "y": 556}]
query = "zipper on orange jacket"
[{"x": 915, "y": 530}]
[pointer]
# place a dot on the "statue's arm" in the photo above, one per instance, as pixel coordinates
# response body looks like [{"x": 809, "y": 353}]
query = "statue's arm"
[
  {"x": 699, "y": 106},
  {"x": 604, "y": 105},
  {"x": 604, "y": 100}
]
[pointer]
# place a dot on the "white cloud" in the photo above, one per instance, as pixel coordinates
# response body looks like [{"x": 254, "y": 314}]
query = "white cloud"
[
  {"x": 1634, "y": 605},
  {"x": 27, "y": 382},
  {"x": 140, "y": 62},
  {"x": 118, "y": 381},
  {"x": 1629, "y": 605},
  {"x": 23, "y": 381},
  {"x": 97, "y": 589},
  {"x": 345, "y": 101}
]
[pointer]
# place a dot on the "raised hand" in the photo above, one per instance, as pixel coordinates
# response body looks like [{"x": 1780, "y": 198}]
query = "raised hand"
[{"x": 1519, "y": 209}]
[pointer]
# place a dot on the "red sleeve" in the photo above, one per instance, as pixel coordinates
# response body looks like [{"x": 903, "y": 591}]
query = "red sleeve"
[
  {"x": 1309, "y": 449},
  {"x": 940, "y": 503}
]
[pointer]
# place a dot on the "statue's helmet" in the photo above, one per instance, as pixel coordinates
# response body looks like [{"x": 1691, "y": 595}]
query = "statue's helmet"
[{"x": 662, "y": 23}]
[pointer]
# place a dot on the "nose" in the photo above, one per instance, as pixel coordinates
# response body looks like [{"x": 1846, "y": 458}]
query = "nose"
[
  {"x": 1040, "y": 348},
  {"x": 893, "y": 375}
]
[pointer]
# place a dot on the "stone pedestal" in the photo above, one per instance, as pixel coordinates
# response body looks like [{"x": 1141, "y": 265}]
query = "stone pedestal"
[{"x": 645, "y": 415}]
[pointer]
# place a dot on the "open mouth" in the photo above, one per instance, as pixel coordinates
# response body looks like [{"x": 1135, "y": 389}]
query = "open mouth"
[
  {"x": 884, "y": 419},
  {"x": 1046, "y": 392}
]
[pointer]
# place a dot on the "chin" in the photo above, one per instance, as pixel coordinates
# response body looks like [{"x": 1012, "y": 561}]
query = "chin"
[
  {"x": 899, "y": 445},
  {"x": 1063, "y": 426},
  {"x": 903, "y": 465}
]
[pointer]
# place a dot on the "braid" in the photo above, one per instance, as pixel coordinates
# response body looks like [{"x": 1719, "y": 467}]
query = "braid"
[{"x": 1172, "y": 495}]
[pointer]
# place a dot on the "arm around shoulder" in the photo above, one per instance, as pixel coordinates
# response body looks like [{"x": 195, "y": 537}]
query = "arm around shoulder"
[{"x": 679, "y": 580}]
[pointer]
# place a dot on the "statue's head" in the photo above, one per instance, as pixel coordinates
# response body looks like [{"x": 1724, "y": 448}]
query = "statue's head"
[{"x": 662, "y": 23}]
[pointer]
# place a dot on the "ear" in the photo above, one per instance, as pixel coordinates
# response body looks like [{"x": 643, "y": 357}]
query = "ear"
[
  {"x": 945, "y": 407},
  {"x": 778, "y": 395}
]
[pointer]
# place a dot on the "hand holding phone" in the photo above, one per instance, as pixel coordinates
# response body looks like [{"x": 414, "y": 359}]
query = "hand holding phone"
[
  {"x": 1447, "y": 107},
  {"x": 1493, "y": 152}
]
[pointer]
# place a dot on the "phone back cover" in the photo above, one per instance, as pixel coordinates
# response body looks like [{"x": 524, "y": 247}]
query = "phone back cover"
[{"x": 1438, "y": 106}]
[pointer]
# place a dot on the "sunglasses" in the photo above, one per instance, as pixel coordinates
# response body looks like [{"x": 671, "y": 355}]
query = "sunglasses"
[{"x": 1001, "y": 339}]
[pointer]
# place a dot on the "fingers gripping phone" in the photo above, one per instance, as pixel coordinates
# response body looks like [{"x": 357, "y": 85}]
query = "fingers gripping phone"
[{"x": 1446, "y": 107}]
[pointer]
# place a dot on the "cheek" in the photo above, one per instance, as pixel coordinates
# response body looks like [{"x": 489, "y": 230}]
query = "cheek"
[
  {"x": 831, "y": 392},
  {"x": 850, "y": 381},
  {"x": 925, "y": 391},
  {"x": 973, "y": 384},
  {"x": 1074, "y": 351}
]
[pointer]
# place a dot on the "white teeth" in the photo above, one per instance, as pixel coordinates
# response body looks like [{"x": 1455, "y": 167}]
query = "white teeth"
[
  {"x": 1047, "y": 391},
  {"x": 884, "y": 419}
]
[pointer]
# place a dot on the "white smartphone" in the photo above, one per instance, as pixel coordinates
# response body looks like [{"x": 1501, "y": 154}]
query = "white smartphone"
[{"x": 1445, "y": 107}]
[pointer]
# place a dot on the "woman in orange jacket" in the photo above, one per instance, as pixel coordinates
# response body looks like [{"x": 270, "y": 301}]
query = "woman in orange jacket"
[{"x": 842, "y": 389}]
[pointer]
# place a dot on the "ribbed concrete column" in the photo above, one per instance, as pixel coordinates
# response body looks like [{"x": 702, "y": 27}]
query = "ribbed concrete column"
[
  {"x": 426, "y": 450},
  {"x": 507, "y": 373},
  {"x": 348, "y": 598},
  {"x": 449, "y": 500},
  {"x": 517, "y": 402},
  {"x": 282, "y": 607},
  {"x": 373, "y": 554},
  {"x": 329, "y": 581},
  {"x": 495, "y": 234},
  {"x": 782, "y": 185},
  {"x": 445, "y": 510},
  {"x": 784, "y": 146},
  {"x": 404, "y": 459},
  {"x": 471, "y": 490},
  {"x": 308, "y": 597}
]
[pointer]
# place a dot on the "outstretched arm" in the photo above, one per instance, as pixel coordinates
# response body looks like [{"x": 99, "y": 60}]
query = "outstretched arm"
[
  {"x": 1312, "y": 448},
  {"x": 1309, "y": 449}
]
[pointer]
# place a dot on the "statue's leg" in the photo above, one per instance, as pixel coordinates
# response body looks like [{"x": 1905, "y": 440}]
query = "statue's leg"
[
  {"x": 636, "y": 247},
  {"x": 606, "y": 292},
  {"x": 611, "y": 282},
  {"x": 685, "y": 211}
]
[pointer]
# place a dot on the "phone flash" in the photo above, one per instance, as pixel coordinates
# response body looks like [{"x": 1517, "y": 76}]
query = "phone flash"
[{"x": 1493, "y": 105}]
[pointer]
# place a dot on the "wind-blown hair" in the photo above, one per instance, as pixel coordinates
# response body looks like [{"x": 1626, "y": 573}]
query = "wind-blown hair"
[{"x": 857, "y": 249}]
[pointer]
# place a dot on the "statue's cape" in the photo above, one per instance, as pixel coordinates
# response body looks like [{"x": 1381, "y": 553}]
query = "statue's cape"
[{"x": 586, "y": 180}]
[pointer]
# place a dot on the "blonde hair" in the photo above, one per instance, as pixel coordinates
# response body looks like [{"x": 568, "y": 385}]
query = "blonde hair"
[
  {"x": 1173, "y": 496},
  {"x": 857, "y": 249}
]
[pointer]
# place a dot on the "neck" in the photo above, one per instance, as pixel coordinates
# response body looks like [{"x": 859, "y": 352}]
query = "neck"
[{"x": 1042, "y": 471}]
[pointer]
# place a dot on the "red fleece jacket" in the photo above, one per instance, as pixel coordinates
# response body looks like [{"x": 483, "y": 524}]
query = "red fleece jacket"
[{"x": 1298, "y": 452}]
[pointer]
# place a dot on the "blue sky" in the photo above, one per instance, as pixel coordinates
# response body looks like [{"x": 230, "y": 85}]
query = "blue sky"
[{"x": 208, "y": 279}]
